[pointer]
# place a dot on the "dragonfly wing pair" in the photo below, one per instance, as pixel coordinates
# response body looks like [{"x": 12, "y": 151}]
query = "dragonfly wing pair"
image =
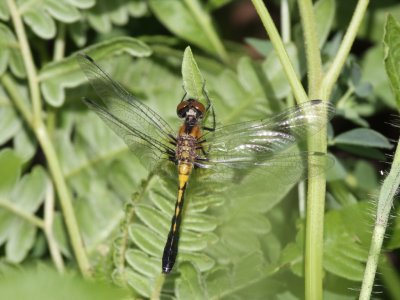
[{"x": 234, "y": 153}]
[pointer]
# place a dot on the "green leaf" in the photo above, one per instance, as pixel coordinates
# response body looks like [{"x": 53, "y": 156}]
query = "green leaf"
[
  {"x": 324, "y": 11},
  {"x": 372, "y": 26},
  {"x": 139, "y": 283},
  {"x": 77, "y": 31},
  {"x": 345, "y": 242},
  {"x": 142, "y": 263},
  {"x": 190, "y": 284},
  {"x": 26, "y": 197},
  {"x": 363, "y": 137},
  {"x": 373, "y": 72},
  {"x": 62, "y": 10},
  {"x": 10, "y": 170},
  {"x": 273, "y": 70},
  {"x": 83, "y": 3},
  {"x": 391, "y": 44},
  {"x": 9, "y": 123},
  {"x": 138, "y": 8},
  {"x": 187, "y": 22},
  {"x": 192, "y": 79},
  {"x": 4, "y": 13},
  {"x": 20, "y": 241},
  {"x": 40, "y": 22},
  {"x": 25, "y": 145},
  {"x": 146, "y": 240},
  {"x": 264, "y": 47},
  {"x": 55, "y": 77},
  {"x": 10, "y": 53}
]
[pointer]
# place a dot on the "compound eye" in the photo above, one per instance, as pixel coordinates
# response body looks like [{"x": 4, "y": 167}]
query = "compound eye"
[
  {"x": 199, "y": 108},
  {"x": 182, "y": 109}
]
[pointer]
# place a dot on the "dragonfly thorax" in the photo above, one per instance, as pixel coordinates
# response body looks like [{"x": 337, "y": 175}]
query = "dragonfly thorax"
[{"x": 186, "y": 149}]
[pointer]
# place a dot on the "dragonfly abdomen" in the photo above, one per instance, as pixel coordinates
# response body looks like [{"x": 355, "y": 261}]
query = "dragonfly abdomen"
[{"x": 171, "y": 246}]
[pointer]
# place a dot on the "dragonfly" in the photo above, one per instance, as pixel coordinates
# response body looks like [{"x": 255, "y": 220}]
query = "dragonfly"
[{"x": 261, "y": 144}]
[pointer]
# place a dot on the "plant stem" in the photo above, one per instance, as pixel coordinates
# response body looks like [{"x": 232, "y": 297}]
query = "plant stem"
[
  {"x": 155, "y": 295},
  {"x": 285, "y": 21},
  {"x": 344, "y": 49},
  {"x": 314, "y": 64},
  {"x": 46, "y": 144},
  {"x": 314, "y": 238},
  {"x": 385, "y": 202},
  {"x": 59, "y": 45},
  {"x": 4, "y": 203},
  {"x": 28, "y": 61},
  {"x": 65, "y": 199},
  {"x": 280, "y": 50},
  {"x": 8, "y": 82},
  {"x": 208, "y": 28},
  {"x": 48, "y": 228}
]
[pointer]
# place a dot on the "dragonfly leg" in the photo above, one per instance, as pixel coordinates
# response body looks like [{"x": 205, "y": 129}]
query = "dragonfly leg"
[{"x": 208, "y": 108}]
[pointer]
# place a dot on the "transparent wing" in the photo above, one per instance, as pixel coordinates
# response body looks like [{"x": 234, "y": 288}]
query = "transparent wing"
[
  {"x": 269, "y": 177},
  {"x": 238, "y": 141},
  {"x": 267, "y": 149},
  {"x": 143, "y": 130}
]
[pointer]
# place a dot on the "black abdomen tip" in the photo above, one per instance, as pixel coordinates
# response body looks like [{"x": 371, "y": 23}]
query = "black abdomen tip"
[{"x": 167, "y": 269}]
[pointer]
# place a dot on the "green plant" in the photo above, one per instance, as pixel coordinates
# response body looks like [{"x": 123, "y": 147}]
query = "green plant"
[{"x": 72, "y": 195}]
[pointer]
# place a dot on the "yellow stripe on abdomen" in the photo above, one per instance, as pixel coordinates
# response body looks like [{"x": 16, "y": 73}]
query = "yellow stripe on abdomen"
[{"x": 171, "y": 246}]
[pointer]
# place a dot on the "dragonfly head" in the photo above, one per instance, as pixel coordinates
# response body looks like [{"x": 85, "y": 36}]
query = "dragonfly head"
[{"x": 191, "y": 110}]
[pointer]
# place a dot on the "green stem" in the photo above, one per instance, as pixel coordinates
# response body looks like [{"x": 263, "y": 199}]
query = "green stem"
[
  {"x": 155, "y": 295},
  {"x": 48, "y": 229},
  {"x": 285, "y": 21},
  {"x": 344, "y": 49},
  {"x": 45, "y": 142},
  {"x": 280, "y": 50},
  {"x": 4, "y": 203},
  {"x": 59, "y": 45},
  {"x": 28, "y": 61},
  {"x": 386, "y": 196},
  {"x": 314, "y": 64},
  {"x": 314, "y": 242},
  {"x": 65, "y": 199},
  {"x": 8, "y": 82},
  {"x": 208, "y": 28}
]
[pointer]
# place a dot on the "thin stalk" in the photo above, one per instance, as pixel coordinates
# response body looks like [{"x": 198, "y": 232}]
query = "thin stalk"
[
  {"x": 156, "y": 294},
  {"x": 313, "y": 54},
  {"x": 208, "y": 28},
  {"x": 48, "y": 229},
  {"x": 385, "y": 202},
  {"x": 286, "y": 37},
  {"x": 314, "y": 239},
  {"x": 9, "y": 83},
  {"x": 59, "y": 45},
  {"x": 46, "y": 144},
  {"x": 65, "y": 200},
  {"x": 334, "y": 71},
  {"x": 285, "y": 21},
  {"x": 28, "y": 61},
  {"x": 4, "y": 203},
  {"x": 280, "y": 50}
]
